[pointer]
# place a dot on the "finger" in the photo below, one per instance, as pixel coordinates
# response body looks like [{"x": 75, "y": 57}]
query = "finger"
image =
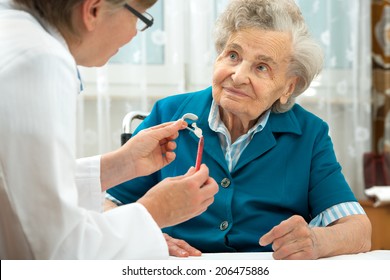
[
  {"x": 191, "y": 171},
  {"x": 158, "y": 126},
  {"x": 210, "y": 188},
  {"x": 176, "y": 251},
  {"x": 172, "y": 127},
  {"x": 210, "y": 181},
  {"x": 301, "y": 249},
  {"x": 165, "y": 134},
  {"x": 180, "y": 248},
  {"x": 169, "y": 157},
  {"x": 169, "y": 138},
  {"x": 301, "y": 255},
  {"x": 275, "y": 233},
  {"x": 170, "y": 146},
  {"x": 187, "y": 248},
  {"x": 286, "y": 254},
  {"x": 283, "y": 248},
  {"x": 202, "y": 174},
  {"x": 168, "y": 152},
  {"x": 286, "y": 227}
]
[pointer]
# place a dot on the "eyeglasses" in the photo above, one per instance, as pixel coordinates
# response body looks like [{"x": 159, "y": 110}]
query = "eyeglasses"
[{"x": 146, "y": 20}]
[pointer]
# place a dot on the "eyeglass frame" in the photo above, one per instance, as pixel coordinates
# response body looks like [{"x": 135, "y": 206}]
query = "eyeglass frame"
[{"x": 144, "y": 19}]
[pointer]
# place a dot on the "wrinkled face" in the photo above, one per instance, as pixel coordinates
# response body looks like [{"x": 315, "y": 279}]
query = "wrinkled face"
[{"x": 250, "y": 73}]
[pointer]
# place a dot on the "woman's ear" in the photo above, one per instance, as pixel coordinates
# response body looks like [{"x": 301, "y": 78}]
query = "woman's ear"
[
  {"x": 90, "y": 12},
  {"x": 289, "y": 90}
]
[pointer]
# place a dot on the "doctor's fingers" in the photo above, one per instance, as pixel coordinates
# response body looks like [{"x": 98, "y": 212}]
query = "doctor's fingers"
[
  {"x": 169, "y": 130},
  {"x": 199, "y": 177},
  {"x": 210, "y": 188},
  {"x": 201, "y": 183},
  {"x": 192, "y": 195},
  {"x": 168, "y": 146},
  {"x": 201, "y": 194}
]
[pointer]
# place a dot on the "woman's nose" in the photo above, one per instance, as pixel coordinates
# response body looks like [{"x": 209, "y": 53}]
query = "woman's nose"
[{"x": 240, "y": 74}]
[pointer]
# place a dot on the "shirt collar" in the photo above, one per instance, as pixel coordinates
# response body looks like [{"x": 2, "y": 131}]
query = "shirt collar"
[{"x": 217, "y": 125}]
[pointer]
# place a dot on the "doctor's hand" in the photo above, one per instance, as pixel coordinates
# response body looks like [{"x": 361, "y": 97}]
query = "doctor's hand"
[
  {"x": 178, "y": 199},
  {"x": 153, "y": 148},
  {"x": 292, "y": 239},
  {"x": 148, "y": 151},
  {"x": 180, "y": 248}
]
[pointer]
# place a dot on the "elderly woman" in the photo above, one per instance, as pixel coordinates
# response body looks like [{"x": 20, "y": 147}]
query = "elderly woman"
[{"x": 281, "y": 187}]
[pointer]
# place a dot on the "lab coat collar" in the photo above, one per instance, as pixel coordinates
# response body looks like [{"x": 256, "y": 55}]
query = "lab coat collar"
[{"x": 53, "y": 31}]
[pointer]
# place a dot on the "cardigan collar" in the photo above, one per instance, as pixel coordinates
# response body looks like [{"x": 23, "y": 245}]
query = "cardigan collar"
[{"x": 278, "y": 122}]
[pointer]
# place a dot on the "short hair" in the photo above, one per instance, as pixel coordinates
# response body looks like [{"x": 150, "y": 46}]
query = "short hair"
[
  {"x": 275, "y": 15},
  {"x": 59, "y": 12}
]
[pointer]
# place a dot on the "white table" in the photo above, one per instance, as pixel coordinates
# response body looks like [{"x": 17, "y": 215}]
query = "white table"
[{"x": 372, "y": 255}]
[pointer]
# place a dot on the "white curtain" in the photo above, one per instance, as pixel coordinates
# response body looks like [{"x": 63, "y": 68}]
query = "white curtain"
[
  {"x": 176, "y": 55},
  {"x": 342, "y": 94}
]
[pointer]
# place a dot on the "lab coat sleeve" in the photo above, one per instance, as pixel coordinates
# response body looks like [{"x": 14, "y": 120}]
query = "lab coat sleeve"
[{"x": 88, "y": 184}]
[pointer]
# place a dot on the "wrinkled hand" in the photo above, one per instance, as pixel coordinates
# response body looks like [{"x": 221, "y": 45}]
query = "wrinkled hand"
[
  {"x": 180, "y": 248},
  {"x": 177, "y": 199},
  {"x": 292, "y": 239}
]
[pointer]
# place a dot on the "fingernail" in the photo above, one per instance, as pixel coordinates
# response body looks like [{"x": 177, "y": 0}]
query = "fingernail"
[
  {"x": 181, "y": 123},
  {"x": 260, "y": 242}
]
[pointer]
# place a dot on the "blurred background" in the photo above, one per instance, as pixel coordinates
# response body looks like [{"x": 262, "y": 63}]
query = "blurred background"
[{"x": 176, "y": 55}]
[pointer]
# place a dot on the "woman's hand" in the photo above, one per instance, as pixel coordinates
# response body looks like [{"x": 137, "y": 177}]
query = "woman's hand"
[
  {"x": 294, "y": 239},
  {"x": 180, "y": 248}
]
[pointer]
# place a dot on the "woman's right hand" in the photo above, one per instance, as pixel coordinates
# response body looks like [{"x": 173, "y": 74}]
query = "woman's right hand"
[{"x": 180, "y": 248}]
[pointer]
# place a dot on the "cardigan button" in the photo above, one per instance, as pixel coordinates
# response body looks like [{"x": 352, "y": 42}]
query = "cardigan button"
[
  {"x": 224, "y": 225},
  {"x": 225, "y": 182}
]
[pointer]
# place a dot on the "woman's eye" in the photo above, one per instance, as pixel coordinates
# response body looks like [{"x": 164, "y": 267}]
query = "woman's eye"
[
  {"x": 233, "y": 56},
  {"x": 262, "y": 68}
]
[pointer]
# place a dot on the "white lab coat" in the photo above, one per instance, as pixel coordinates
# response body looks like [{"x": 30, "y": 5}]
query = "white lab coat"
[{"x": 49, "y": 204}]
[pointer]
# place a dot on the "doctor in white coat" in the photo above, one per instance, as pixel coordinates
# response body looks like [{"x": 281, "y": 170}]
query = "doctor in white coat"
[{"x": 51, "y": 203}]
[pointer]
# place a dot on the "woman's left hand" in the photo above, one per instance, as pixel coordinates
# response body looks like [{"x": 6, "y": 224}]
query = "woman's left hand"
[{"x": 292, "y": 239}]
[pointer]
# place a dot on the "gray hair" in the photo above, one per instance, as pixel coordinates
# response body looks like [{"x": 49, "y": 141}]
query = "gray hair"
[{"x": 275, "y": 15}]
